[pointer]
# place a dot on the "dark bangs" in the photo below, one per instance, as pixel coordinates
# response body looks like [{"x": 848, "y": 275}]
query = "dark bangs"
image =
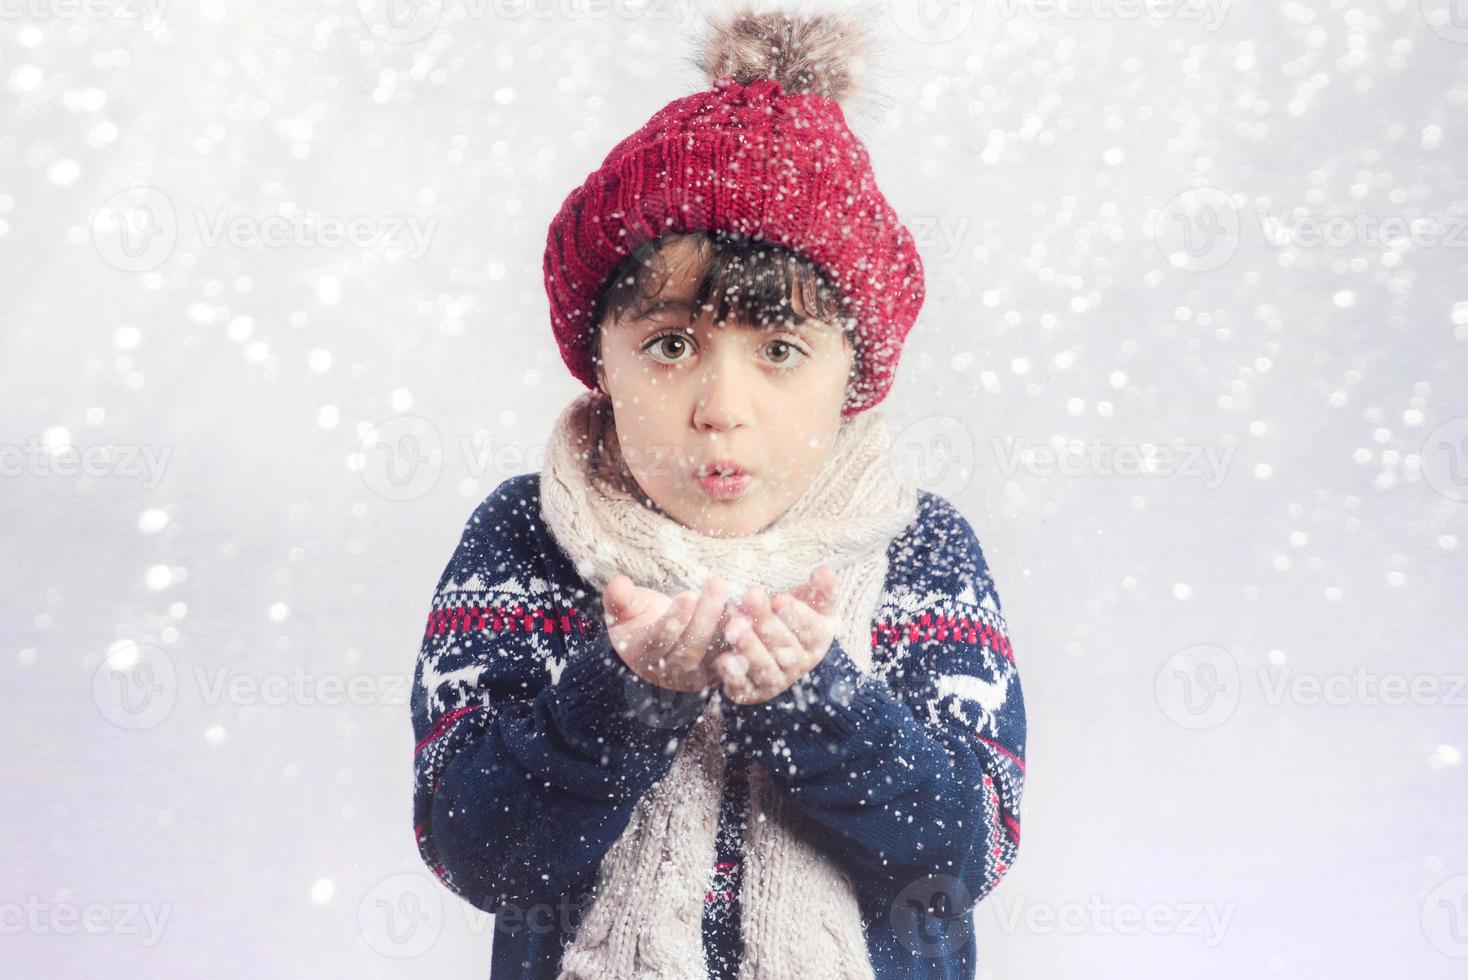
[{"x": 743, "y": 279}]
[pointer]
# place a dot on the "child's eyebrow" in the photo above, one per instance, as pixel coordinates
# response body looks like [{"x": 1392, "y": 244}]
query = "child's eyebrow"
[
  {"x": 658, "y": 306},
  {"x": 805, "y": 325}
]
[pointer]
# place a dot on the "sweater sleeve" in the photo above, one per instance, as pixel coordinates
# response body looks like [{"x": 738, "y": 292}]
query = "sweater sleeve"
[
  {"x": 534, "y": 740},
  {"x": 915, "y": 777}
]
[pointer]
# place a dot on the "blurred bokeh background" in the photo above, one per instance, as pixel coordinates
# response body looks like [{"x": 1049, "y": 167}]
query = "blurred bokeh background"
[{"x": 1192, "y": 362}]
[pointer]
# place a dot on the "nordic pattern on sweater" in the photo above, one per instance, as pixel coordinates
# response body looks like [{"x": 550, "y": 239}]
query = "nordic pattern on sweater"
[{"x": 534, "y": 743}]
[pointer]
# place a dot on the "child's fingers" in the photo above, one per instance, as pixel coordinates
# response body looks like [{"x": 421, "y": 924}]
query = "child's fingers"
[
  {"x": 620, "y": 599},
  {"x": 819, "y": 590},
  {"x": 710, "y": 606},
  {"x": 666, "y": 632},
  {"x": 808, "y": 625},
  {"x": 783, "y": 645},
  {"x": 699, "y": 633},
  {"x": 762, "y": 672},
  {"x": 731, "y": 668}
]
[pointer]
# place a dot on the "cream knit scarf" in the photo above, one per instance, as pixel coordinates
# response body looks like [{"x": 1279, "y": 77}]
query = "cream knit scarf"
[{"x": 800, "y": 917}]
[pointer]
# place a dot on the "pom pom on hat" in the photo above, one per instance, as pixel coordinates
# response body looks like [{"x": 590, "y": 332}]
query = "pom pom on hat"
[{"x": 823, "y": 54}]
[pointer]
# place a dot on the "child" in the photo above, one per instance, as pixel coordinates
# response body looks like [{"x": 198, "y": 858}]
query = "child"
[{"x": 718, "y": 693}]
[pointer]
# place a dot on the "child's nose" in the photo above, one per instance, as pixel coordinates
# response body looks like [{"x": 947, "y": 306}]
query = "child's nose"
[{"x": 723, "y": 397}]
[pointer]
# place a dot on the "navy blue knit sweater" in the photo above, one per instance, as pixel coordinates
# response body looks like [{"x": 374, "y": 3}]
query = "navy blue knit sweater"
[{"x": 534, "y": 746}]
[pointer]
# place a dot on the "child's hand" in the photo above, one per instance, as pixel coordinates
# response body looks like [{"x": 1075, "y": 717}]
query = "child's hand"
[
  {"x": 775, "y": 642},
  {"x": 665, "y": 641}
]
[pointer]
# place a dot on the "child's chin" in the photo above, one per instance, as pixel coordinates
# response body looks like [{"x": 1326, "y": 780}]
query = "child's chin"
[{"x": 728, "y": 518}]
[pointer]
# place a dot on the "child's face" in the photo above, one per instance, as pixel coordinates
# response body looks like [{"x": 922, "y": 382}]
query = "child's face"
[{"x": 686, "y": 392}]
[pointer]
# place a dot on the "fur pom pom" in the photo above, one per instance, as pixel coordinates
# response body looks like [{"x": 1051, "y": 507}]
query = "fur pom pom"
[{"x": 807, "y": 53}]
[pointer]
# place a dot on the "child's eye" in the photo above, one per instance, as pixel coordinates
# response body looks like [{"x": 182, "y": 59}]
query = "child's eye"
[
  {"x": 677, "y": 342},
  {"x": 793, "y": 355},
  {"x": 671, "y": 348}
]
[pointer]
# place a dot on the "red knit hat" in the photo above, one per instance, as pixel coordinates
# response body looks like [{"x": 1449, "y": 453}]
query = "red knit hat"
[{"x": 765, "y": 153}]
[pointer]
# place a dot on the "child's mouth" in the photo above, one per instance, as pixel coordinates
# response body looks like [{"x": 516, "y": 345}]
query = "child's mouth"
[{"x": 724, "y": 487}]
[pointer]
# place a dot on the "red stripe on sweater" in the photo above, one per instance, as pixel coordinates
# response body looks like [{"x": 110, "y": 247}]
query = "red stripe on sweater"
[
  {"x": 1012, "y": 757},
  {"x": 506, "y": 619},
  {"x": 440, "y": 726},
  {"x": 936, "y": 626}
]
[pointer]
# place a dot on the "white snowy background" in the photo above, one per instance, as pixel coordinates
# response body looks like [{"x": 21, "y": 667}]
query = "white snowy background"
[{"x": 235, "y": 465}]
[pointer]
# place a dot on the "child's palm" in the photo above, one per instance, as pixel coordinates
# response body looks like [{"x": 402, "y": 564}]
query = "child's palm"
[{"x": 665, "y": 641}]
